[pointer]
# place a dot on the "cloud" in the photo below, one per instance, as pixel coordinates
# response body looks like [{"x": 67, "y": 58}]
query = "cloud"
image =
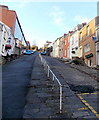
[
  {"x": 57, "y": 15},
  {"x": 58, "y": 21},
  {"x": 21, "y": 5},
  {"x": 81, "y": 19}
]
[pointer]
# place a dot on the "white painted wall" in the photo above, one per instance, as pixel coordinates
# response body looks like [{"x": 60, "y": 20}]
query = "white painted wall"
[
  {"x": 74, "y": 44},
  {"x": 56, "y": 48},
  {"x": 5, "y": 33}
]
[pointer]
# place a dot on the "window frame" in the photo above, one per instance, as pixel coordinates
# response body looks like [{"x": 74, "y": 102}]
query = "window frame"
[{"x": 87, "y": 48}]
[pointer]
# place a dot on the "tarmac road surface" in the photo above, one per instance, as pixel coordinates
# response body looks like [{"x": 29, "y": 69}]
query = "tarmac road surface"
[{"x": 15, "y": 79}]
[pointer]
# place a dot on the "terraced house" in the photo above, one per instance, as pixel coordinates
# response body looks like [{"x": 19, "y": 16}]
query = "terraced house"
[
  {"x": 82, "y": 42},
  {"x": 10, "y": 18},
  {"x": 97, "y": 41},
  {"x": 66, "y": 46},
  {"x": 74, "y": 41},
  {"x": 87, "y": 44},
  {"x": 61, "y": 44},
  {"x": 56, "y": 47}
]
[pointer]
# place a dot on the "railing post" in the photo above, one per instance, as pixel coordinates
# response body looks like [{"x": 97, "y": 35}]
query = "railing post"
[
  {"x": 54, "y": 77},
  {"x": 53, "y": 82},
  {"x": 44, "y": 64},
  {"x": 60, "y": 98},
  {"x": 41, "y": 60},
  {"x": 48, "y": 71}
]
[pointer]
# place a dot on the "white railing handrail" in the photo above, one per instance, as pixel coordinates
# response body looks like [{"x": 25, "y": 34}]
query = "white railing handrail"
[
  {"x": 51, "y": 71},
  {"x": 54, "y": 77}
]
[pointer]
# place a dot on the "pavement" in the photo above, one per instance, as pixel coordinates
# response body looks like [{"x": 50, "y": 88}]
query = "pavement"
[
  {"x": 85, "y": 69},
  {"x": 43, "y": 101}
]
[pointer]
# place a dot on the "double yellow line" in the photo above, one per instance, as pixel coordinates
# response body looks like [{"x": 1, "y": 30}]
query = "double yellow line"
[{"x": 87, "y": 104}]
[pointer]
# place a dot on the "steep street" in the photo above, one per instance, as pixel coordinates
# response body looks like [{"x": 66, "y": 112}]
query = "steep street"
[
  {"x": 80, "y": 93},
  {"x": 49, "y": 59},
  {"x": 15, "y": 79},
  {"x": 83, "y": 86}
]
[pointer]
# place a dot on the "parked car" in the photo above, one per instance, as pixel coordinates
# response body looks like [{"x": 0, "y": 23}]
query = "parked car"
[
  {"x": 43, "y": 53},
  {"x": 27, "y": 52},
  {"x": 32, "y": 51}
]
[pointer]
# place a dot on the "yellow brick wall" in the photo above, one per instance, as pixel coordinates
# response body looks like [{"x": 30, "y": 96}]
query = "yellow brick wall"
[{"x": 88, "y": 40}]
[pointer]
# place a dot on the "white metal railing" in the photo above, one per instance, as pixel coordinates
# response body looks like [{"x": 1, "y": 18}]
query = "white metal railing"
[{"x": 48, "y": 70}]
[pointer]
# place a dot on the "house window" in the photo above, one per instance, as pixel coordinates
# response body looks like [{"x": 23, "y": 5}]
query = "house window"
[
  {"x": 87, "y": 30},
  {"x": 68, "y": 40},
  {"x": 4, "y": 35},
  {"x": 80, "y": 36},
  {"x": 65, "y": 42},
  {"x": 72, "y": 40},
  {"x": 68, "y": 52},
  {"x": 65, "y": 52},
  {"x": 9, "y": 40},
  {"x": 2, "y": 47},
  {"x": 87, "y": 48},
  {"x": 1, "y": 27}
]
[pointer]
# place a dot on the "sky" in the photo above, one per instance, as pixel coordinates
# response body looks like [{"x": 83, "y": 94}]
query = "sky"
[{"x": 46, "y": 21}]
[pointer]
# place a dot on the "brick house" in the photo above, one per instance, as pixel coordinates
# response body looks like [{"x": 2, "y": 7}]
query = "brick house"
[
  {"x": 97, "y": 40},
  {"x": 10, "y": 18},
  {"x": 86, "y": 43},
  {"x": 66, "y": 46}
]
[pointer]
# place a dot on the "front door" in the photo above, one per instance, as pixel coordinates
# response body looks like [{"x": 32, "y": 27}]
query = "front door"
[{"x": 89, "y": 62}]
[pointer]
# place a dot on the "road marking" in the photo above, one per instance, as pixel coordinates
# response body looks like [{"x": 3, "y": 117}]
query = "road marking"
[
  {"x": 83, "y": 108},
  {"x": 88, "y": 93},
  {"x": 88, "y": 105}
]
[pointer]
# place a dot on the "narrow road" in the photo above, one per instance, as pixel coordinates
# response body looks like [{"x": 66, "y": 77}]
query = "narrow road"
[{"x": 16, "y": 76}]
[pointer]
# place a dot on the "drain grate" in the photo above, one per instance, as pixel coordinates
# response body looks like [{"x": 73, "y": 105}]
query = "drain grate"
[{"x": 82, "y": 88}]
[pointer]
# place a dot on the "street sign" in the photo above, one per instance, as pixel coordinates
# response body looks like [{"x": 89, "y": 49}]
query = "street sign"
[{"x": 94, "y": 38}]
